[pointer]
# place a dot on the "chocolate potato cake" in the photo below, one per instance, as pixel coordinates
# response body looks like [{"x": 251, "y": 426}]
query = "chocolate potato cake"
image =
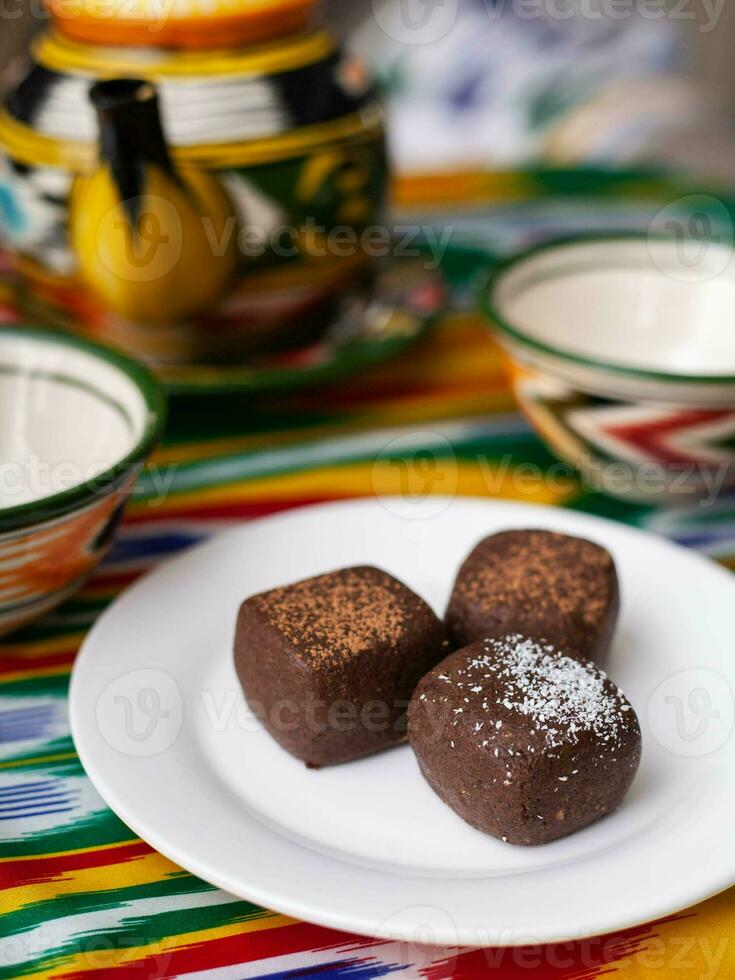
[
  {"x": 523, "y": 742},
  {"x": 329, "y": 664},
  {"x": 539, "y": 583}
]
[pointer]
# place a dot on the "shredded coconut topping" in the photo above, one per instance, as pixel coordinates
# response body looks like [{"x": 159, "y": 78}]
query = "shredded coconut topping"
[
  {"x": 555, "y": 691},
  {"x": 562, "y": 697}
]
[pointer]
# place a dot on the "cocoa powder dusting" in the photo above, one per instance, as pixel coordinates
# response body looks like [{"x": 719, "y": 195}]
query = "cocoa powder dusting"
[
  {"x": 338, "y": 615},
  {"x": 548, "y": 571}
]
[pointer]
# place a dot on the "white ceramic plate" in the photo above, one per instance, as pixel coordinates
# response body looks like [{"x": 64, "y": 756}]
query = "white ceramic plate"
[{"x": 161, "y": 727}]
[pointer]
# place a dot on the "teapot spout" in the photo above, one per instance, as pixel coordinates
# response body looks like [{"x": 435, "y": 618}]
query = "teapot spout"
[
  {"x": 131, "y": 134},
  {"x": 141, "y": 229}
]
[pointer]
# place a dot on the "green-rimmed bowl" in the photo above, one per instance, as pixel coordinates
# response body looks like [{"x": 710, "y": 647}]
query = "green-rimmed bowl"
[
  {"x": 621, "y": 350},
  {"x": 78, "y": 422}
]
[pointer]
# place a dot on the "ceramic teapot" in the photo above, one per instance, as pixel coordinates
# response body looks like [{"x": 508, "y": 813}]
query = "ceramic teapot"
[{"x": 238, "y": 165}]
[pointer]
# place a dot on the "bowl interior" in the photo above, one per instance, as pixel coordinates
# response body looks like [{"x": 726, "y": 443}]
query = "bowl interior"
[
  {"x": 68, "y": 415},
  {"x": 645, "y": 304}
]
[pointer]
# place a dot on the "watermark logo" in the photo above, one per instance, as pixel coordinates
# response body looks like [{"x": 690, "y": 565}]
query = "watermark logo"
[
  {"x": 427, "y": 933},
  {"x": 415, "y": 475},
  {"x": 700, "y": 229},
  {"x": 692, "y": 713},
  {"x": 144, "y": 249},
  {"x": 141, "y": 713},
  {"x": 415, "y": 21}
]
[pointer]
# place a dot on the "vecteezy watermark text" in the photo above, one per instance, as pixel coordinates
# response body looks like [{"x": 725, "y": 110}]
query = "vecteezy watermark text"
[
  {"x": 313, "y": 715},
  {"x": 406, "y": 474},
  {"x": 419, "y": 21},
  {"x": 340, "y": 241},
  {"x": 416, "y": 22},
  {"x": 34, "y": 478},
  {"x": 690, "y": 713},
  {"x": 159, "y": 248},
  {"x": 682, "y": 952},
  {"x": 160, "y": 12},
  {"x": 706, "y": 13}
]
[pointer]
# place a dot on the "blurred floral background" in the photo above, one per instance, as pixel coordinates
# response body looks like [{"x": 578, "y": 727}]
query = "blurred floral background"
[
  {"x": 488, "y": 83},
  {"x": 503, "y": 83}
]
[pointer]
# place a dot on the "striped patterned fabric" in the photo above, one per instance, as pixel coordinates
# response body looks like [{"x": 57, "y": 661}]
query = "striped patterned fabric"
[{"x": 82, "y": 897}]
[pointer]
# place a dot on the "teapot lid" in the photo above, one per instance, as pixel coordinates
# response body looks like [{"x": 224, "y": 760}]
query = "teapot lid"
[{"x": 186, "y": 24}]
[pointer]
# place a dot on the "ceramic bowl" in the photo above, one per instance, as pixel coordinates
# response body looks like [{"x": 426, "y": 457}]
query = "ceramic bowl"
[
  {"x": 77, "y": 424},
  {"x": 621, "y": 355}
]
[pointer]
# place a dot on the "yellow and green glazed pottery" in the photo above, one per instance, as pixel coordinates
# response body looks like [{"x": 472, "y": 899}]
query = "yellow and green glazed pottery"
[
  {"x": 620, "y": 353},
  {"x": 179, "y": 205},
  {"x": 81, "y": 422}
]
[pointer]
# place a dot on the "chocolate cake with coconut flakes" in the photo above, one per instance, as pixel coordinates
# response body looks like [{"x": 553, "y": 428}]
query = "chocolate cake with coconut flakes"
[
  {"x": 329, "y": 664},
  {"x": 539, "y": 583},
  {"x": 522, "y": 741}
]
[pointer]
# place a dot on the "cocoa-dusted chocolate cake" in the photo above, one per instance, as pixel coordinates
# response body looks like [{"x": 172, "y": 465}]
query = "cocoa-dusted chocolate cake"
[
  {"x": 539, "y": 583},
  {"x": 523, "y": 742},
  {"x": 329, "y": 664}
]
